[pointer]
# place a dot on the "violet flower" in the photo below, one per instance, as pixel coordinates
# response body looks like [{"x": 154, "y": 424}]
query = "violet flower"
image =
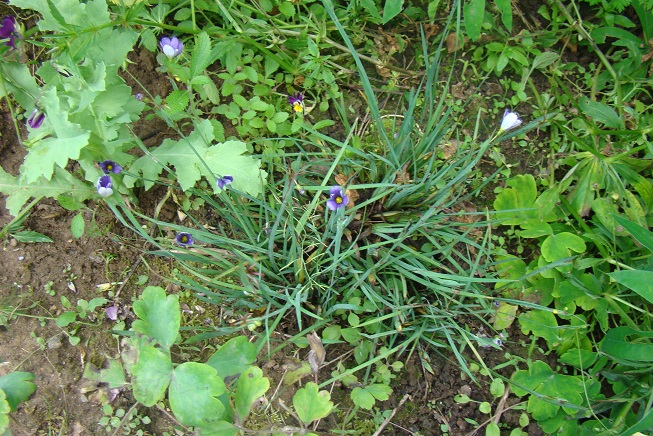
[
  {"x": 8, "y": 31},
  {"x": 184, "y": 239},
  {"x": 510, "y": 121},
  {"x": 112, "y": 312},
  {"x": 109, "y": 166},
  {"x": 224, "y": 181},
  {"x": 104, "y": 186},
  {"x": 171, "y": 47},
  {"x": 337, "y": 199},
  {"x": 36, "y": 119},
  {"x": 296, "y": 102}
]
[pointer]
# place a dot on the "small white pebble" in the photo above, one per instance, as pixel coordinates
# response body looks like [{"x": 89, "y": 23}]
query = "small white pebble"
[{"x": 21, "y": 257}]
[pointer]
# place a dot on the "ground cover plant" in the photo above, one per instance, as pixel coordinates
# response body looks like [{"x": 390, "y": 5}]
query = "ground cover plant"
[{"x": 490, "y": 193}]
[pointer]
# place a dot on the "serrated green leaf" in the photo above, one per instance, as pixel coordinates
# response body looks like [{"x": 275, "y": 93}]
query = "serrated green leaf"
[
  {"x": 234, "y": 357},
  {"x": 251, "y": 385},
  {"x": 311, "y": 404},
  {"x": 66, "y": 142},
  {"x": 77, "y": 226},
  {"x": 151, "y": 375},
  {"x": 193, "y": 393},
  {"x": 177, "y": 101},
  {"x": 18, "y": 387},
  {"x": 160, "y": 316}
]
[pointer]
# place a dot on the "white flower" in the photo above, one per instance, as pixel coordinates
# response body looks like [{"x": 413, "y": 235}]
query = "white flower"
[
  {"x": 510, "y": 121},
  {"x": 104, "y": 186}
]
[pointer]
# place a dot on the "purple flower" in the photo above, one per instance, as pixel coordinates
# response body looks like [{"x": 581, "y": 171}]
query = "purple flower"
[
  {"x": 184, "y": 239},
  {"x": 296, "y": 102},
  {"x": 36, "y": 119},
  {"x": 8, "y": 30},
  {"x": 109, "y": 166},
  {"x": 104, "y": 186},
  {"x": 224, "y": 181},
  {"x": 171, "y": 47},
  {"x": 337, "y": 198},
  {"x": 510, "y": 121},
  {"x": 112, "y": 312},
  {"x": 138, "y": 96}
]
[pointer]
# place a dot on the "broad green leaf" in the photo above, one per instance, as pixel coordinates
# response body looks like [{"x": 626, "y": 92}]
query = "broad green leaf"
[
  {"x": 553, "y": 389},
  {"x": 251, "y": 385},
  {"x": 311, "y": 404},
  {"x": 193, "y": 391},
  {"x": 18, "y": 387},
  {"x": 637, "y": 280},
  {"x": 219, "y": 428},
  {"x": 642, "y": 235},
  {"x": 66, "y": 318},
  {"x": 160, "y": 316},
  {"x": 30, "y": 236},
  {"x": 474, "y": 14},
  {"x": 201, "y": 55},
  {"x": 151, "y": 375},
  {"x": 504, "y": 316},
  {"x": 497, "y": 388},
  {"x": 519, "y": 204},
  {"x": 4, "y": 413},
  {"x": 194, "y": 156},
  {"x": 66, "y": 142},
  {"x": 114, "y": 375},
  {"x": 628, "y": 345},
  {"x": 560, "y": 246},
  {"x": 391, "y": 9},
  {"x": 579, "y": 358},
  {"x": 233, "y": 357},
  {"x": 362, "y": 398},
  {"x": 77, "y": 226},
  {"x": 545, "y": 59},
  {"x": 599, "y": 112},
  {"x": 542, "y": 323},
  {"x": 505, "y": 9}
]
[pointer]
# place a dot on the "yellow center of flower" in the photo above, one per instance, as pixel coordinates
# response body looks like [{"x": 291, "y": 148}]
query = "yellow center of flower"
[
  {"x": 338, "y": 200},
  {"x": 184, "y": 238},
  {"x": 109, "y": 167},
  {"x": 297, "y": 107}
]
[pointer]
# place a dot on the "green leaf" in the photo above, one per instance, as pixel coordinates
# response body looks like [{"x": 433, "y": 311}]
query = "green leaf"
[
  {"x": 192, "y": 158},
  {"x": 545, "y": 59},
  {"x": 474, "y": 14},
  {"x": 505, "y": 9},
  {"x": 312, "y": 404},
  {"x": 159, "y": 315},
  {"x": 234, "y": 357},
  {"x": 560, "y": 246},
  {"x": 504, "y": 316},
  {"x": 151, "y": 375},
  {"x": 542, "y": 323},
  {"x": 251, "y": 385},
  {"x": 628, "y": 345},
  {"x": 642, "y": 235},
  {"x": 114, "y": 375},
  {"x": 362, "y": 398},
  {"x": 519, "y": 205},
  {"x": 639, "y": 281},
  {"x": 177, "y": 101},
  {"x": 77, "y": 226},
  {"x": 497, "y": 388},
  {"x": 201, "y": 55},
  {"x": 66, "y": 318},
  {"x": 4, "y": 414},
  {"x": 30, "y": 236},
  {"x": 391, "y": 9},
  {"x": 287, "y": 8},
  {"x": 552, "y": 389},
  {"x": 19, "y": 191},
  {"x": 18, "y": 387},
  {"x": 599, "y": 112},
  {"x": 193, "y": 393}
]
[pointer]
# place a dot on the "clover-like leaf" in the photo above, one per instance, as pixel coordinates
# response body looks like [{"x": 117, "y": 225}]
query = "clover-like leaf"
[
  {"x": 233, "y": 357},
  {"x": 193, "y": 393},
  {"x": 555, "y": 390},
  {"x": 160, "y": 316},
  {"x": 251, "y": 385},
  {"x": 312, "y": 404},
  {"x": 151, "y": 375},
  {"x": 560, "y": 246},
  {"x": 17, "y": 386}
]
